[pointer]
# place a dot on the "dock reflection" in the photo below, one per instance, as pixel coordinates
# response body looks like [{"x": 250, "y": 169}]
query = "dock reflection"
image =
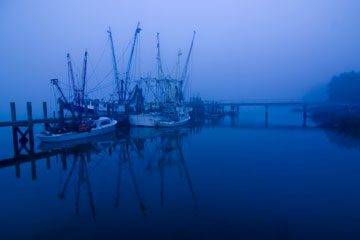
[{"x": 156, "y": 149}]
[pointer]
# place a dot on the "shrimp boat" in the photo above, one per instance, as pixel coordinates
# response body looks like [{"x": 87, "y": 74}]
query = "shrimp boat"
[
  {"x": 101, "y": 126},
  {"x": 119, "y": 99},
  {"x": 80, "y": 126},
  {"x": 171, "y": 110}
]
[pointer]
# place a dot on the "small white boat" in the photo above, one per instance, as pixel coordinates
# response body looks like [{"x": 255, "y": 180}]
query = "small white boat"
[
  {"x": 48, "y": 146},
  {"x": 103, "y": 125}
]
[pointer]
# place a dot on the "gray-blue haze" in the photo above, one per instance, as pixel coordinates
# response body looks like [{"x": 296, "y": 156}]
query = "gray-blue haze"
[
  {"x": 246, "y": 49},
  {"x": 281, "y": 182}
]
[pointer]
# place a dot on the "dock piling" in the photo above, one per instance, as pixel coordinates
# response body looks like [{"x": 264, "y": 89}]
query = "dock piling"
[
  {"x": 304, "y": 115},
  {"x": 266, "y": 114},
  {"x": 30, "y": 127},
  {"x": 108, "y": 109},
  {"x": 61, "y": 110},
  {"x": 14, "y": 129},
  {"x": 86, "y": 110},
  {"x": 45, "y": 113}
]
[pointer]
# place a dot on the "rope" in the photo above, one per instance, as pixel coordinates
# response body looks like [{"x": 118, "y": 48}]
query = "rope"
[
  {"x": 95, "y": 78},
  {"x": 98, "y": 62}
]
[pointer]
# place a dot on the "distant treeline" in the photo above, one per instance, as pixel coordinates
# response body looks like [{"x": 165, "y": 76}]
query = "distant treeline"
[{"x": 345, "y": 88}]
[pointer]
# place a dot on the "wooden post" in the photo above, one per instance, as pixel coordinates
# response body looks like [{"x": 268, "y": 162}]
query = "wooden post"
[
  {"x": 96, "y": 106},
  {"x": 29, "y": 112},
  {"x": 45, "y": 114},
  {"x": 73, "y": 109},
  {"x": 14, "y": 129},
  {"x": 266, "y": 115},
  {"x": 61, "y": 110},
  {"x": 304, "y": 114},
  {"x": 13, "y": 111},
  {"x": 17, "y": 170},
  {"x": 48, "y": 162},
  {"x": 86, "y": 110},
  {"x": 30, "y": 127},
  {"x": 108, "y": 109},
  {"x": 63, "y": 160},
  {"x": 33, "y": 170},
  {"x": 45, "y": 110}
]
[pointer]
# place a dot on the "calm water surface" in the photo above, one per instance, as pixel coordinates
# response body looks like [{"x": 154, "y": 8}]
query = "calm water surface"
[{"x": 231, "y": 179}]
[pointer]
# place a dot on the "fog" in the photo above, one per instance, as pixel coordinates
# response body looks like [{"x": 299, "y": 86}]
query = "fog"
[{"x": 244, "y": 49}]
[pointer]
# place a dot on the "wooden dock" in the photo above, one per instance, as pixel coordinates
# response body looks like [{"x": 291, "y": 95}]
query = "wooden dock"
[{"x": 23, "y": 133}]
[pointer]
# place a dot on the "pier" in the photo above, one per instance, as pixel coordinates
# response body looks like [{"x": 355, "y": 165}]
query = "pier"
[
  {"x": 219, "y": 109},
  {"x": 23, "y": 130}
]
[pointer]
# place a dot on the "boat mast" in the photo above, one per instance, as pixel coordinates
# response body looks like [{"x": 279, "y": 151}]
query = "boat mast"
[
  {"x": 178, "y": 64},
  {"x": 55, "y": 82},
  {"x": 84, "y": 78},
  {"x": 119, "y": 89},
  {"x": 127, "y": 76},
  {"x": 184, "y": 74},
  {"x": 82, "y": 90},
  {"x": 71, "y": 75},
  {"x": 158, "y": 58}
]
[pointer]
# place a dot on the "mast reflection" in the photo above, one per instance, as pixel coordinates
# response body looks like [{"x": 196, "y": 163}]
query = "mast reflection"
[{"x": 158, "y": 149}]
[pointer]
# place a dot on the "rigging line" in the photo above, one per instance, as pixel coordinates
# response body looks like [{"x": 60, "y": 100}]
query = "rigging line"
[
  {"x": 135, "y": 63},
  {"x": 188, "y": 83},
  {"x": 91, "y": 170},
  {"x": 151, "y": 90},
  {"x": 95, "y": 77},
  {"x": 98, "y": 62},
  {"x": 55, "y": 98},
  {"x": 123, "y": 54},
  {"x": 99, "y": 89},
  {"x": 139, "y": 55},
  {"x": 78, "y": 72},
  {"x": 106, "y": 76},
  {"x": 113, "y": 94},
  {"x": 64, "y": 84}
]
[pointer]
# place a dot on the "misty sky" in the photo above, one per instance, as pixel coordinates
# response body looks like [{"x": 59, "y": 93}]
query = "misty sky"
[{"x": 244, "y": 49}]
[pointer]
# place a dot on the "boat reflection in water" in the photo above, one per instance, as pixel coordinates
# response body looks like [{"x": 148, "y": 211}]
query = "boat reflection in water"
[{"x": 157, "y": 149}]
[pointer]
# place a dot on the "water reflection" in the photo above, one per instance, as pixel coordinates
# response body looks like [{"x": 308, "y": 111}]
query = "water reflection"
[
  {"x": 157, "y": 149},
  {"x": 145, "y": 183},
  {"x": 343, "y": 139}
]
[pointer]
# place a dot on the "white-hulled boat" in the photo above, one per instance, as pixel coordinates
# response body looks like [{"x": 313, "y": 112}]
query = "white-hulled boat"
[
  {"x": 145, "y": 119},
  {"x": 103, "y": 125},
  {"x": 171, "y": 123},
  {"x": 155, "y": 119}
]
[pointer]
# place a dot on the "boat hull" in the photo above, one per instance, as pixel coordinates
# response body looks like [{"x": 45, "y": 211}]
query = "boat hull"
[
  {"x": 174, "y": 123},
  {"x": 154, "y": 120},
  {"x": 144, "y": 120},
  {"x": 78, "y": 135}
]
